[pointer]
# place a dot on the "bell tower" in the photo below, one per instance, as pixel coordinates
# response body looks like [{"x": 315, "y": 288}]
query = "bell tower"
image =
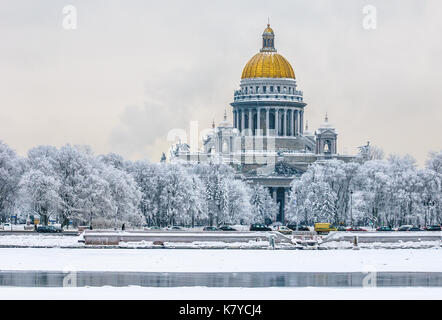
[{"x": 326, "y": 139}]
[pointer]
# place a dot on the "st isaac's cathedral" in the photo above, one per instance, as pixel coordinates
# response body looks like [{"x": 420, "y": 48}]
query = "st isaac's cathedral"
[{"x": 268, "y": 142}]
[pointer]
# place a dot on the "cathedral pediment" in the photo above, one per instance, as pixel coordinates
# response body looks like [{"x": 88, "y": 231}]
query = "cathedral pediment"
[{"x": 285, "y": 169}]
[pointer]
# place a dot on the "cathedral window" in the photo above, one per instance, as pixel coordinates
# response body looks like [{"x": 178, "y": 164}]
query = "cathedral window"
[
  {"x": 264, "y": 89},
  {"x": 271, "y": 88}
]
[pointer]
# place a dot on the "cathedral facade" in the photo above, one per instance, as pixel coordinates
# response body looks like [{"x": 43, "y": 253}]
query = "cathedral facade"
[{"x": 268, "y": 142}]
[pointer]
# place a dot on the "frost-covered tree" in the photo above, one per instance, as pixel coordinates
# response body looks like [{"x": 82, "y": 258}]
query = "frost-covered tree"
[
  {"x": 198, "y": 211},
  {"x": 433, "y": 187},
  {"x": 239, "y": 209},
  {"x": 264, "y": 209},
  {"x": 375, "y": 183},
  {"x": 82, "y": 187},
  {"x": 11, "y": 169},
  {"x": 216, "y": 179},
  {"x": 39, "y": 194},
  {"x": 434, "y": 162},
  {"x": 322, "y": 193},
  {"x": 125, "y": 195},
  {"x": 169, "y": 193}
]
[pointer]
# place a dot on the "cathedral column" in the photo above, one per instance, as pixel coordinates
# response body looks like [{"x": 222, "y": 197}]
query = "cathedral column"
[
  {"x": 234, "y": 118},
  {"x": 285, "y": 122},
  {"x": 250, "y": 122},
  {"x": 258, "y": 120},
  {"x": 301, "y": 122},
  {"x": 296, "y": 122},
  {"x": 277, "y": 121},
  {"x": 286, "y": 200},
  {"x": 293, "y": 123},
  {"x": 242, "y": 120},
  {"x": 267, "y": 121}
]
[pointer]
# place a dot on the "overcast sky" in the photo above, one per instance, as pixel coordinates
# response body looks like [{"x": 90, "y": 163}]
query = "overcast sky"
[{"x": 133, "y": 70}]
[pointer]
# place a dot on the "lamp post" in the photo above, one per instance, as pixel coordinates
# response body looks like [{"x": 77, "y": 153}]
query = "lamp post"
[
  {"x": 351, "y": 208},
  {"x": 296, "y": 202}
]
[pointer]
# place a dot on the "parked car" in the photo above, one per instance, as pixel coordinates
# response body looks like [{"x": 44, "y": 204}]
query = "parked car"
[
  {"x": 300, "y": 227},
  {"x": 48, "y": 229},
  {"x": 341, "y": 228},
  {"x": 28, "y": 227},
  {"x": 405, "y": 227},
  {"x": 82, "y": 228},
  {"x": 227, "y": 228},
  {"x": 259, "y": 227},
  {"x": 384, "y": 228},
  {"x": 324, "y": 227},
  {"x": 409, "y": 227},
  {"x": 356, "y": 229},
  {"x": 7, "y": 227},
  {"x": 210, "y": 228},
  {"x": 284, "y": 230},
  {"x": 434, "y": 228}
]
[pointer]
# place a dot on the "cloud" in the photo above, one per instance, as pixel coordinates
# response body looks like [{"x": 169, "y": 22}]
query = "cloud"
[{"x": 134, "y": 70}]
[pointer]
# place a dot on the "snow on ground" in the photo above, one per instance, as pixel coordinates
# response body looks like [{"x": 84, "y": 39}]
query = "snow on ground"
[
  {"x": 203, "y": 293},
  {"x": 393, "y": 234},
  {"x": 48, "y": 241},
  {"x": 201, "y": 245},
  {"x": 39, "y": 240},
  {"x": 382, "y": 245},
  {"x": 189, "y": 260}
]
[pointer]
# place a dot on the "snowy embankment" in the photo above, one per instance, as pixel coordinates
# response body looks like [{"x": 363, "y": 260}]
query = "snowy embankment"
[
  {"x": 48, "y": 241},
  {"x": 203, "y": 293},
  {"x": 40, "y": 241},
  {"x": 183, "y": 260},
  {"x": 382, "y": 240}
]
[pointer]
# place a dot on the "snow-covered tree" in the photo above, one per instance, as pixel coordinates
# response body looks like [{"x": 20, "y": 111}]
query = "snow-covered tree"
[
  {"x": 264, "y": 208},
  {"x": 125, "y": 195},
  {"x": 215, "y": 178},
  {"x": 239, "y": 209},
  {"x": 11, "y": 169},
  {"x": 39, "y": 194},
  {"x": 322, "y": 193}
]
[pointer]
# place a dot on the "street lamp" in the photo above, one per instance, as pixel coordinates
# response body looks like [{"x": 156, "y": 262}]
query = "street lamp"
[
  {"x": 351, "y": 208},
  {"x": 296, "y": 202}
]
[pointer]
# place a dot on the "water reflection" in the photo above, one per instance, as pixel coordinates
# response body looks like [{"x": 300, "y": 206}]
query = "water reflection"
[{"x": 224, "y": 279}]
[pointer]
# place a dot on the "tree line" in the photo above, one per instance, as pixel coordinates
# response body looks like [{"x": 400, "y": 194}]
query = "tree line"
[
  {"x": 71, "y": 184},
  {"x": 373, "y": 191}
]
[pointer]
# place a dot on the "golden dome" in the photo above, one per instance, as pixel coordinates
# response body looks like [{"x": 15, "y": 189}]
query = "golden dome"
[
  {"x": 268, "y": 29},
  {"x": 268, "y": 65}
]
